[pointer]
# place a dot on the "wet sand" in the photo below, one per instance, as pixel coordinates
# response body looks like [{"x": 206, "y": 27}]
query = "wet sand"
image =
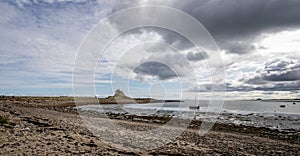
[{"x": 48, "y": 127}]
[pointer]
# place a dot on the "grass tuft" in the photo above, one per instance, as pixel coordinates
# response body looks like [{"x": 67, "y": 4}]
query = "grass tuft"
[{"x": 4, "y": 119}]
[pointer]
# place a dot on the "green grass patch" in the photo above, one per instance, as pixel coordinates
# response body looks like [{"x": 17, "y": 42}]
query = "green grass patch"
[{"x": 4, "y": 119}]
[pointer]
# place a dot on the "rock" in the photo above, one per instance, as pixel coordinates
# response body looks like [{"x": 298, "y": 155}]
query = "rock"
[
  {"x": 90, "y": 144},
  {"x": 11, "y": 131},
  {"x": 36, "y": 121}
]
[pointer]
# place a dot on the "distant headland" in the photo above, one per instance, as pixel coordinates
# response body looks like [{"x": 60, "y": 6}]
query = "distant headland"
[
  {"x": 120, "y": 98},
  {"x": 68, "y": 101}
]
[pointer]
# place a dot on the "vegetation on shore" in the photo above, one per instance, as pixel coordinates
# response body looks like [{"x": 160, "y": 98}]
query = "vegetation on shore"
[{"x": 4, "y": 119}]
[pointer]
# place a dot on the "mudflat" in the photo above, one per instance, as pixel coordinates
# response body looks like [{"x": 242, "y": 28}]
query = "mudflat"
[{"x": 49, "y": 126}]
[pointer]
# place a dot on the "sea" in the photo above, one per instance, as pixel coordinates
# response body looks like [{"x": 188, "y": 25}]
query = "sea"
[{"x": 273, "y": 114}]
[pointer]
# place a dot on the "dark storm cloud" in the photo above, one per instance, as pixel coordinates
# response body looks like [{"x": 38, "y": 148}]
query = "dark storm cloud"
[
  {"x": 236, "y": 18},
  {"x": 280, "y": 74},
  {"x": 236, "y": 24},
  {"x": 282, "y": 70},
  {"x": 292, "y": 87},
  {"x": 237, "y": 47},
  {"x": 258, "y": 80},
  {"x": 198, "y": 56},
  {"x": 277, "y": 70},
  {"x": 155, "y": 69},
  {"x": 232, "y": 21},
  {"x": 287, "y": 76}
]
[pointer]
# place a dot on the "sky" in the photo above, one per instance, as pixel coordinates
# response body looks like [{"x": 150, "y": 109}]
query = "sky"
[{"x": 258, "y": 41}]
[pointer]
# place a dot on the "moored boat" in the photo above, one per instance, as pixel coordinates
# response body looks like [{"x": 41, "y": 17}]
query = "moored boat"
[
  {"x": 282, "y": 106},
  {"x": 194, "y": 107}
]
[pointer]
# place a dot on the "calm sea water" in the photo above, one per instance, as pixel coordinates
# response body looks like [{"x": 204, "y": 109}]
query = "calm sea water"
[
  {"x": 228, "y": 106},
  {"x": 255, "y": 113}
]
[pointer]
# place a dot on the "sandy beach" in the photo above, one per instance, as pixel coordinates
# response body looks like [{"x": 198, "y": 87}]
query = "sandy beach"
[
  {"x": 149, "y": 77},
  {"x": 50, "y": 128}
]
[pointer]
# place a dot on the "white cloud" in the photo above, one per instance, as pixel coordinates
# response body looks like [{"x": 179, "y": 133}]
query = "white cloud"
[
  {"x": 39, "y": 43},
  {"x": 285, "y": 42}
]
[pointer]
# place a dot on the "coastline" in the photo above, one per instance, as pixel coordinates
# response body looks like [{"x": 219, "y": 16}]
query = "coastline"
[
  {"x": 68, "y": 101},
  {"x": 55, "y": 128}
]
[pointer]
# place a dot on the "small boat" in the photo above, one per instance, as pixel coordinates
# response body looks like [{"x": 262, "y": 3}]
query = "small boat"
[
  {"x": 282, "y": 106},
  {"x": 194, "y": 107},
  {"x": 294, "y": 103}
]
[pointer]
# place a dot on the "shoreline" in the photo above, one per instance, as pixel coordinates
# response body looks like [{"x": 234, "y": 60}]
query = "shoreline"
[
  {"x": 67, "y": 101},
  {"x": 55, "y": 128}
]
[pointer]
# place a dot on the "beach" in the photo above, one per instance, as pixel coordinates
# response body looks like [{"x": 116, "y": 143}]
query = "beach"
[{"x": 38, "y": 126}]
